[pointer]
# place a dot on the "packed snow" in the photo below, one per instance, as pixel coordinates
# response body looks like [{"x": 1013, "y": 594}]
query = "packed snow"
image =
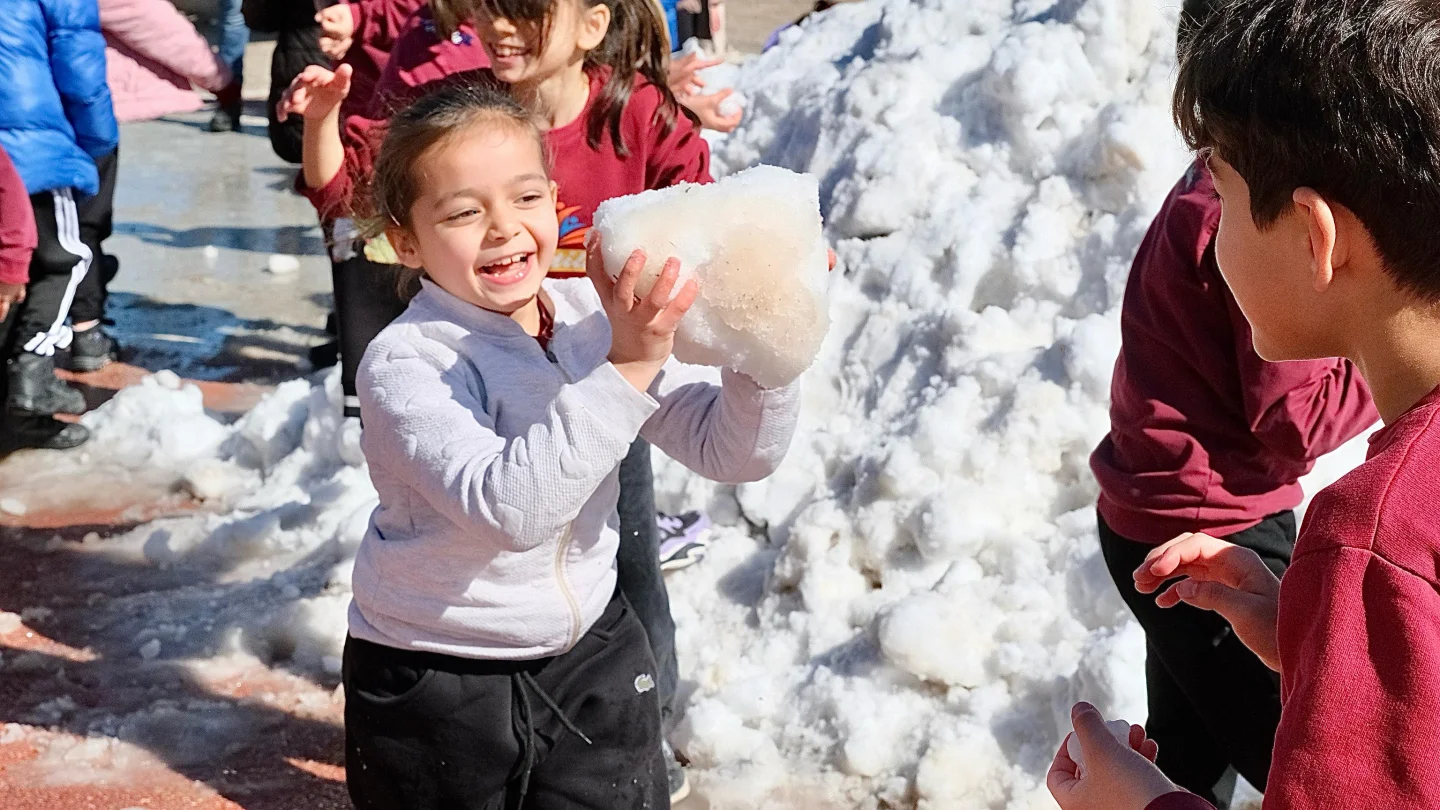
[
  {"x": 903, "y": 614},
  {"x": 753, "y": 243}
]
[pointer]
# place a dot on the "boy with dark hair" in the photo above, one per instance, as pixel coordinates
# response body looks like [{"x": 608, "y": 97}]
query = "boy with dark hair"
[
  {"x": 1207, "y": 437},
  {"x": 1320, "y": 120}
]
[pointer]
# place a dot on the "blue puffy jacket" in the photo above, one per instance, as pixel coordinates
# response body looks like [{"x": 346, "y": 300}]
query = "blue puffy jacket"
[{"x": 55, "y": 111}]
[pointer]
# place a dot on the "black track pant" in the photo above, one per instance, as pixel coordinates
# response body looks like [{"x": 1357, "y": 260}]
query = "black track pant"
[
  {"x": 425, "y": 731},
  {"x": 367, "y": 300},
  {"x": 1213, "y": 704},
  {"x": 97, "y": 221},
  {"x": 59, "y": 264}
]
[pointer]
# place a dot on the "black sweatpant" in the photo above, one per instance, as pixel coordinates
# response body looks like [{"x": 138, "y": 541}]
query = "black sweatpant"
[
  {"x": 1213, "y": 704},
  {"x": 366, "y": 301},
  {"x": 97, "y": 222},
  {"x": 425, "y": 731},
  {"x": 59, "y": 264}
]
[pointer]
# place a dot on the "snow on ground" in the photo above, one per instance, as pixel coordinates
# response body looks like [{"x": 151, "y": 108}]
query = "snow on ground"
[{"x": 903, "y": 614}]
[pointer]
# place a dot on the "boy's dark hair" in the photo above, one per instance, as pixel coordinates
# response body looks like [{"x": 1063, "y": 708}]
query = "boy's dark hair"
[
  {"x": 636, "y": 43},
  {"x": 1342, "y": 96},
  {"x": 431, "y": 121}
]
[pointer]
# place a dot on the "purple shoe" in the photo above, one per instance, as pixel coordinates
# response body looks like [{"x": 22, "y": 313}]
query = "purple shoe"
[{"x": 684, "y": 539}]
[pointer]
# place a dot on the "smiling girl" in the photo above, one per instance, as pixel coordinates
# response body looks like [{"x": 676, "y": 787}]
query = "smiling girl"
[{"x": 492, "y": 662}]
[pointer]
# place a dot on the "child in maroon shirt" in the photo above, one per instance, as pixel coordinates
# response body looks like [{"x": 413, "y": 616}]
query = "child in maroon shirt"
[
  {"x": 17, "y": 236},
  {"x": 1207, "y": 437},
  {"x": 1327, "y": 239}
]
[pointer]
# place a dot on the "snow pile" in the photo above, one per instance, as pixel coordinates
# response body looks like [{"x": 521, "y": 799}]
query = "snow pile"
[
  {"x": 753, "y": 243},
  {"x": 919, "y": 598}
]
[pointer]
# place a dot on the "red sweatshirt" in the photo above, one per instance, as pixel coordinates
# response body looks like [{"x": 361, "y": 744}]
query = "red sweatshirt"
[
  {"x": 1359, "y": 635},
  {"x": 378, "y": 24},
  {"x": 17, "y": 225},
  {"x": 1205, "y": 435},
  {"x": 586, "y": 177}
]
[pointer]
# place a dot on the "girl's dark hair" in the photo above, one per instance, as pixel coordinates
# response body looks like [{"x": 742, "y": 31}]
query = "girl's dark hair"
[
  {"x": 636, "y": 43},
  {"x": 432, "y": 121},
  {"x": 1342, "y": 96}
]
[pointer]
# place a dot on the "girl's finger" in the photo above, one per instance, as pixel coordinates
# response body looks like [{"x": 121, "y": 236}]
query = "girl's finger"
[
  {"x": 675, "y": 310},
  {"x": 595, "y": 269},
  {"x": 1150, "y": 749},
  {"x": 1063, "y": 776},
  {"x": 660, "y": 293},
  {"x": 629, "y": 276}
]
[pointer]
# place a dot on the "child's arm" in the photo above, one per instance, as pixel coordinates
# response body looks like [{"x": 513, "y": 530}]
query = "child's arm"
[
  {"x": 425, "y": 423},
  {"x": 1302, "y": 409},
  {"x": 77, "y": 64},
  {"x": 1361, "y": 684},
  {"x": 17, "y": 236},
  {"x": 316, "y": 94},
  {"x": 733, "y": 433}
]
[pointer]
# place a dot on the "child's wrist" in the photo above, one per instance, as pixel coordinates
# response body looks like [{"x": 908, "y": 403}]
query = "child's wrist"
[{"x": 639, "y": 373}]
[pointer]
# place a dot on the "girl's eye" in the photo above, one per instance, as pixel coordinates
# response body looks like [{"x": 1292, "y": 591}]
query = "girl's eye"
[
  {"x": 530, "y": 198},
  {"x": 459, "y": 215}
]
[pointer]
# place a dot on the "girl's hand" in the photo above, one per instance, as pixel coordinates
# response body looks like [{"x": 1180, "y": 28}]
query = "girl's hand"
[
  {"x": 11, "y": 295},
  {"x": 1222, "y": 577},
  {"x": 316, "y": 93},
  {"x": 337, "y": 27},
  {"x": 642, "y": 330},
  {"x": 1117, "y": 776},
  {"x": 707, "y": 109},
  {"x": 682, "y": 75}
]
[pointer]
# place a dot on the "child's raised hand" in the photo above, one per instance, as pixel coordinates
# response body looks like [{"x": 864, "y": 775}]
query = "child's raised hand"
[
  {"x": 1117, "y": 776},
  {"x": 1222, "y": 577},
  {"x": 315, "y": 93},
  {"x": 337, "y": 27},
  {"x": 642, "y": 329}
]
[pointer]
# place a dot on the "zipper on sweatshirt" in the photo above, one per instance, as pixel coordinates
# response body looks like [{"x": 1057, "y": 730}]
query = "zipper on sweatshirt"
[{"x": 560, "y": 549}]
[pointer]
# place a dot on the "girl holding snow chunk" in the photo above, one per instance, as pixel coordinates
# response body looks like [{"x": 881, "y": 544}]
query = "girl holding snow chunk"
[
  {"x": 595, "y": 73},
  {"x": 492, "y": 662}
]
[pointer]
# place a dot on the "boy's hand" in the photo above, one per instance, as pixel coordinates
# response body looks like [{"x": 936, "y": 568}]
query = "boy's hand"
[
  {"x": 316, "y": 93},
  {"x": 1117, "y": 776},
  {"x": 337, "y": 27},
  {"x": 642, "y": 330},
  {"x": 707, "y": 109},
  {"x": 1222, "y": 577},
  {"x": 10, "y": 295}
]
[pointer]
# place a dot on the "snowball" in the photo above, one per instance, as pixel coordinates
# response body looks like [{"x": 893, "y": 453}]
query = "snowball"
[
  {"x": 12, "y": 506},
  {"x": 280, "y": 264},
  {"x": 1119, "y": 729},
  {"x": 753, "y": 242},
  {"x": 716, "y": 78}
]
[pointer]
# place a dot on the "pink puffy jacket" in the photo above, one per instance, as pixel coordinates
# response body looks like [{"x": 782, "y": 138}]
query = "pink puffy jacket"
[{"x": 152, "y": 57}]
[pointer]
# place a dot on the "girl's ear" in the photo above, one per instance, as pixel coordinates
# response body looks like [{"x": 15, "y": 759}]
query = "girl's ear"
[
  {"x": 594, "y": 23},
  {"x": 405, "y": 248},
  {"x": 554, "y": 192}
]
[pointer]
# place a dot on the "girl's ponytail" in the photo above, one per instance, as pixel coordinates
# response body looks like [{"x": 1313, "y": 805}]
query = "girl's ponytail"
[{"x": 637, "y": 43}]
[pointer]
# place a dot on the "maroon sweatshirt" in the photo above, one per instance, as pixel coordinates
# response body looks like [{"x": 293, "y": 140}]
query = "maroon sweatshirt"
[
  {"x": 1359, "y": 635},
  {"x": 378, "y": 24},
  {"x": 1205, "y": 435},
  {"x": 17, "y": 225},
  {"x": 586, "y": 177}
]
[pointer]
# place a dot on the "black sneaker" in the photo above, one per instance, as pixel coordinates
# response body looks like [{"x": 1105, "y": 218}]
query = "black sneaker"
[
  {"x": 684, "y": 539},
  {"x": 40, "y": 433},
  {"x": 226, "y": 118},
  {"x": 675, "y": 773},
  {"x": 325, "y": 355},
  {"x": 36, "y": 391},
  {"x": 92, "y": 350}
]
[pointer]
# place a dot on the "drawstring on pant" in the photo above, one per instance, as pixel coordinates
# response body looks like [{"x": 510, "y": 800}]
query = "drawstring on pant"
[{"x": 521, "y": 684}]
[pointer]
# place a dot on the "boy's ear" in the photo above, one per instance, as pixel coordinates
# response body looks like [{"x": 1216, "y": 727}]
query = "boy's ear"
[
  {"x": 594, "y": 23},
  {"x": 405, "y": 248},
  {"x": 1329, "y": 245}
]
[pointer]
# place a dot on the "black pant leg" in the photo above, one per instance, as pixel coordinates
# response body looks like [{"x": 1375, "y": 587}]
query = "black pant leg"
[
  {"x": 1234, "y": 695},
  {"x": 637, "y": 565},
  {"x": 605, "y": 687},
  {"x": 366, "y": 301},
  {"x": 426, "y": 731},
  {"x": 57, "y": 268},
  {"x": 97, "y": 222}
]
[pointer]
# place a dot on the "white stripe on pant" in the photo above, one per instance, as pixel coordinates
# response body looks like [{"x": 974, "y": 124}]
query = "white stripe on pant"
[{"x": 67, "y": 220}]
